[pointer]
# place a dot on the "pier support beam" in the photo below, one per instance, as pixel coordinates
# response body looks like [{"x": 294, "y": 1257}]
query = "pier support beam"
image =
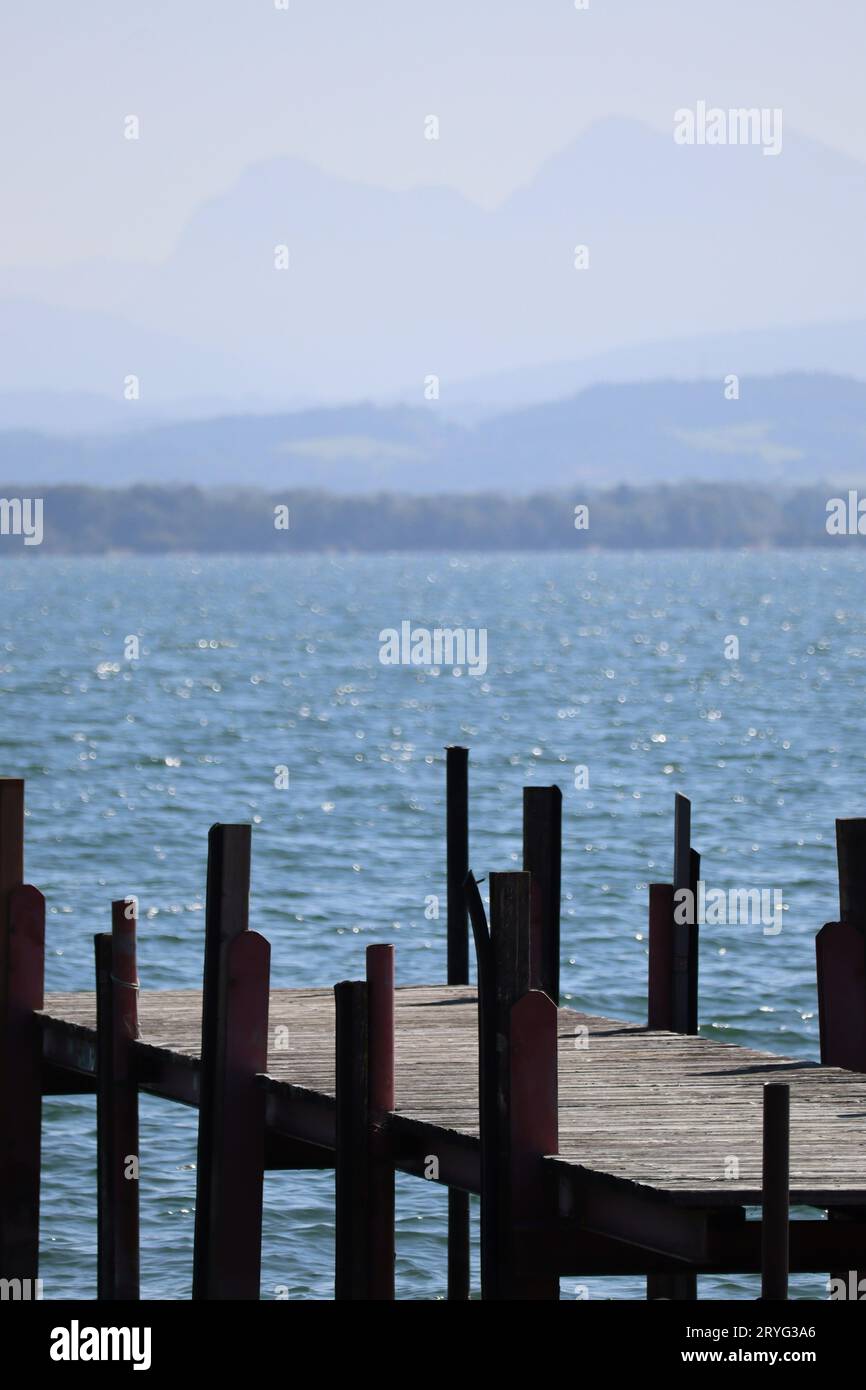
[
  {"x": 117, "y": 1156},
  {"x": 457, "y": 867},
  {"x": 231, "y": 1128}
]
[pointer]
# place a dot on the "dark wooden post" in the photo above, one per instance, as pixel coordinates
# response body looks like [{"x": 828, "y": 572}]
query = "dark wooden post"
[
  {"x": 22, "y": 951},
  {"x": 542, "y": 859},
  {"x": 661, "y": 924},
  {"x": 841, "y": 957},
  {"x": 231, "y": 1129},
  {"x": 352, "y": 1161},
  {"x": 507, "y": 980},
  {"x": 851, "y": 859},
  {"x": 457, "y": 867},
  {"x": 21, "y": 1096},
  {"x": 117, "y": 1156},
  {"x": 840, "y": 949},
  {"x": 775, "y": 1192},
  {"x": 685, "y": 934},
  {"x": 531, "y": 1203},
  {"x": 11, "y": 866},
  {"x": 673, "y": 984},
  {"x": 380, "y": 1034}
]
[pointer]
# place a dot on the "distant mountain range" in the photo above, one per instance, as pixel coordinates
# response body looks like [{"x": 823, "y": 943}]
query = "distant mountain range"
[
  {"x": 794, "y": 428},
  {"x": 693, "y": 252}
]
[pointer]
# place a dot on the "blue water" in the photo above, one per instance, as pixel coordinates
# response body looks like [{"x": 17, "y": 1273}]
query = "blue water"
[{"x": 615, "y": 662}]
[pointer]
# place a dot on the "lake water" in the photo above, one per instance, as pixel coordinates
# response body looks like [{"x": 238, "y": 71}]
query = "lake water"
[{"x": 613, "y": 662}]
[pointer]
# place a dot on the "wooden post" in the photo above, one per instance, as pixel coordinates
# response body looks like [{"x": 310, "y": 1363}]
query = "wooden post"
[
  {"x": 660, "y": 972},
  {"x": 231, "y": 1128},
  {"x": 841, "y": 957},
  {"x": 508, "y": 981},
  {"x": 352, "y": 1161},
  {"x": 840, "y": 950},
  {"x": 775, "y": 1192},
  {"x": 675, "y": 1007},
  {"x": 11, "y": 867},
  {"x": 457, "y": 851},
  {"x": 531, "y": 1204},
  {"x": 117, "y": 1156},
  {"x": 851, "y": 859},
  {"x": 380, "y": 1035},
  {"x": 22, "y": 947},
  {"x": 21, "y": 1094},
  {"x": 685, "y": 935},
  {"x": 457, "y": 867},
  {"x": 542, "y": 859}
]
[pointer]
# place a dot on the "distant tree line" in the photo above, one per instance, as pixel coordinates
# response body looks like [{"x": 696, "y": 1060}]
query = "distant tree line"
[{"x": 159, "y": 520}]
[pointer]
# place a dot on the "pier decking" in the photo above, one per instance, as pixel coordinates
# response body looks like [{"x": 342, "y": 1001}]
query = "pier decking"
[{"x": 662, "y": 1113}]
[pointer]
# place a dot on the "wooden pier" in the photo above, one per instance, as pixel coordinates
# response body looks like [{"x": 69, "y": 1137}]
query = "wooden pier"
[{"x": 598, "y": 1147}]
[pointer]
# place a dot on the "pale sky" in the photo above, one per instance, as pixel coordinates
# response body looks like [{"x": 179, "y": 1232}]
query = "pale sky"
[{"x": 222, "y": 84}]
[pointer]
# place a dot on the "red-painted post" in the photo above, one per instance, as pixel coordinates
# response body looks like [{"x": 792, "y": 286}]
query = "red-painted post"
[
  {"x": 381, "y": 1101},
  {"x": 21, "y": 1085},
  {"x": 117, "y": 1162},
  {"x": 231, "y": 1128},
  {"x": 531, "y": 1200},
  {"x": 659, "y": 988},
  {"x": 840, "y": 949},
  {"x": 506, "y": 980},
  {"x": 22, "y": 948}
]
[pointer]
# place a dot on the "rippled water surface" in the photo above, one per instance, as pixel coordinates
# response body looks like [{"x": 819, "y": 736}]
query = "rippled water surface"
[{"x": 615, "y": 662}]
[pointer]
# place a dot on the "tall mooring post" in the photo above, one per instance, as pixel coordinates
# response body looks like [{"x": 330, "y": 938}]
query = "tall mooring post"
[
  {"x": 672, "y": 995},
  {"x": 22, "y": 962},
  {"x": 518, "y": 1098},
  {"x": 457, "y": 867},
  {"x": 231, "y": 1124}
]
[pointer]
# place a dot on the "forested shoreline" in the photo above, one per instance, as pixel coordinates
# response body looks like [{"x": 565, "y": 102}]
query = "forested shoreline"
[{"x": 143, "y": 519}]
